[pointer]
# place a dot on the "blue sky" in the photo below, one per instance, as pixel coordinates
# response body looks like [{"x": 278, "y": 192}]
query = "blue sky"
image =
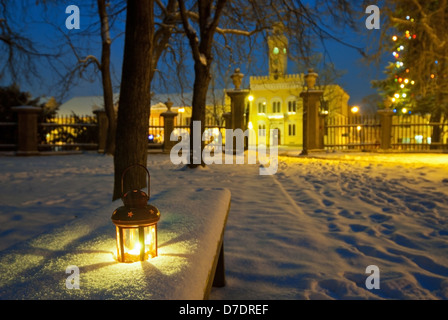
[{"x": 356, "y": 80}]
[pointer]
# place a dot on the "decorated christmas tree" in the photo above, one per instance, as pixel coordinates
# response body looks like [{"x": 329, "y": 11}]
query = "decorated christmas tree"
[{"x": 397, "y": 88}]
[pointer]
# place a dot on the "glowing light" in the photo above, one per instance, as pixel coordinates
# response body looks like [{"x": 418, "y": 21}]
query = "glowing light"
[
  {"x": 355, "y": 109},
  {"x": 358, "y": 128},
  {"x": 393, "y": 99},
  {"x": 408, "y": 17},
  {"x": 394, "y": 38},
  {"x": 404, "y": 110},
  {"x": 412, "y": 82},
  {"x": 397, "y": 95},
  {"x": 406, "y": 80},
  {"x": 251, "y": 98},
  {"x": 433, "y": 76},
  {"x": 250, "y": 125},
  {"x": 402, "y": 86},
  {"x": 181, "y": 110},
  {"x": 404, "y": 95}
]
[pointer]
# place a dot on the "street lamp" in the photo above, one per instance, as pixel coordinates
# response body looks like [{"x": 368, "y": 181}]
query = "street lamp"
[
  {"x": 136, "y": 225},
  {"x": 355, "y": 109}
]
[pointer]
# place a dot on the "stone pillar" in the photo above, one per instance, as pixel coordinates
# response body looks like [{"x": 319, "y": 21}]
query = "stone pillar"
[
  {"x": 386, "y": 128},
  {"x": 168, "y": 127},
  {"x": 103, "y": 124},
  {"x": 228, "y": 119},
  {"x": 312, "y": 123},
  {"x": 237, "y": 102},
  {"x": 27, "y": 130}
]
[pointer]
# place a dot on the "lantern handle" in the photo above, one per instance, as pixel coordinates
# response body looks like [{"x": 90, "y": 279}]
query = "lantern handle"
[{"x": 126, "y": 170}]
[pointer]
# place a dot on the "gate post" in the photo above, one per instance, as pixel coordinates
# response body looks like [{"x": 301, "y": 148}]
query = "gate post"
[
  {"x": 168, "y": 127},
  {"x": 103, "y": 124},
  {"x": 27, "y": 130},
  {"x": 312, "y": 125},
  {"x": 386, "y": 128},
  {"x": 237, "y": 99}
]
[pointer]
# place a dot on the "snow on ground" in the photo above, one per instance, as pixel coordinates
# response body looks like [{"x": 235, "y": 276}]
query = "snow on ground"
[{"x": 307, "y": 232}]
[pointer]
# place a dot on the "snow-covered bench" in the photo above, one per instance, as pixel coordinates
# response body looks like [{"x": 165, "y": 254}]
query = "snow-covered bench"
[{"x": 81, "y": 254}]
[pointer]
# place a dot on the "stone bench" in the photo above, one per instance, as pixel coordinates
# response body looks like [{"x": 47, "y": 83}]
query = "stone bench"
[{"x": 190, "y": 255}]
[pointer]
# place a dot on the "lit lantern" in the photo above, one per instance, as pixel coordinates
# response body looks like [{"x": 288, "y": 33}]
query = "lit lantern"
[{"x": 136, "y": 225}]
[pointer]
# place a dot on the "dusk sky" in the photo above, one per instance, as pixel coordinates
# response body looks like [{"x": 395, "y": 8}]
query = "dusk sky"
[{"x": 356, "y": 80}]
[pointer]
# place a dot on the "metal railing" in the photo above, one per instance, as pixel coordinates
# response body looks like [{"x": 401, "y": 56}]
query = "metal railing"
[
  {"x": 415, "y": 132},
  {"x": 65, "y": 133},
  {"x": 347, "y": 133}
]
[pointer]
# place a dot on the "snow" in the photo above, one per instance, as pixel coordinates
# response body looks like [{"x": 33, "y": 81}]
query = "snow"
[{"x": 307, "y": 232}]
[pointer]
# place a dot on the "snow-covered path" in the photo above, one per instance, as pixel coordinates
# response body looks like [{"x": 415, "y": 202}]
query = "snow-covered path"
[{"x": 307, "y": 232}]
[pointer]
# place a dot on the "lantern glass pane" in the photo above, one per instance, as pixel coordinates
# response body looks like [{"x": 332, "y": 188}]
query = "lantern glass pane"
[
  {"x": 133, "y": 246},
  {"x": 151, "y": 240}
]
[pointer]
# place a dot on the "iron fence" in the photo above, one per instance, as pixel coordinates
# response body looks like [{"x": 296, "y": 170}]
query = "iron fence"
[
  {"x": 416, "y": 132},
  {"x": 351, "y": 133},
  {"x": 64, "y": 133}
]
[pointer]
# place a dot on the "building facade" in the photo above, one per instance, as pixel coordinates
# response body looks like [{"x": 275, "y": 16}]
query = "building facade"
[{"x": 274, "y": 101}]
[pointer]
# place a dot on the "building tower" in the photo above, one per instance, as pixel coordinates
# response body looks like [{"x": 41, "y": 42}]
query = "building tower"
[{"x": 278, "y": 48}]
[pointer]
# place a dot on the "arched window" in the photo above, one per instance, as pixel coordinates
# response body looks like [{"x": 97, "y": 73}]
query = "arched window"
[
  {"x": 261, "y": 106},
  {"x": 276, "y": 106},
  {"x": 292, "y": 106}
]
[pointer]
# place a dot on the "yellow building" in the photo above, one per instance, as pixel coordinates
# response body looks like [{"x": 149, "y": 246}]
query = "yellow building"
[{"x": 274, "y": 101}]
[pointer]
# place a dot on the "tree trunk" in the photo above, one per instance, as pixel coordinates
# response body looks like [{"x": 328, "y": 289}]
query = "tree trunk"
[
  {"x": 106, "y": 78},
  {"x": 135, "y": 97},
  {"x": 200, "y": 88}
]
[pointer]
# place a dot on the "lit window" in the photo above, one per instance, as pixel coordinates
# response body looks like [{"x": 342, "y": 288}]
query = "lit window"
[
  {"x": 276, "y": 107},
  {"x": 292, "y": 106},
  {"x": 292, "y": 129}
]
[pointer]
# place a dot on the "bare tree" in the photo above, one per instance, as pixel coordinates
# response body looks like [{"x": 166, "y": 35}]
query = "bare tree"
[{"x": 20, "y": 56}]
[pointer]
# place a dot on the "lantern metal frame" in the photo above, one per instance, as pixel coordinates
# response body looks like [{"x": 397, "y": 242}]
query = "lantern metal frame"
[{"x": 136, "y": 219}]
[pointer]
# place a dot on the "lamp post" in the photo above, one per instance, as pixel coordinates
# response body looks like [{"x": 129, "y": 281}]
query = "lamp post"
[{"x": 136, "y": 224}]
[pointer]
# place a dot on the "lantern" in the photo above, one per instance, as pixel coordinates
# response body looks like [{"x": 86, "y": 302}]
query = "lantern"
[{"x": 136, "y": 225}]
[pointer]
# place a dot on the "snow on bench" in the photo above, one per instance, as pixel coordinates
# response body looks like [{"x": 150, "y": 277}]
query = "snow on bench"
[{"x": 190, "y": 237}]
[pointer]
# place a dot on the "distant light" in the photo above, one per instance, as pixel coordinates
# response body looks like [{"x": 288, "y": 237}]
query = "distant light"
[
  {"x": 404, "y": 95},
  {"x": 404, "y": 110},
  {"x": 394, "y": 38},
  {"x": 355, "y": 109},
  {"x": 395, "y": 110},
  {"x": 181, "y": 110},
  {"x": 250, "y": 125},
  {"x": 433, "y": 76},
  {"x": 402, "y": 86},
  {"x": 397, "y": 95},
  {"x": 358, "y": 128},
  {"x": 151, "y": 137},
  {"x": 251, "y": 98},
  {"x": 408, "y": 17}
]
